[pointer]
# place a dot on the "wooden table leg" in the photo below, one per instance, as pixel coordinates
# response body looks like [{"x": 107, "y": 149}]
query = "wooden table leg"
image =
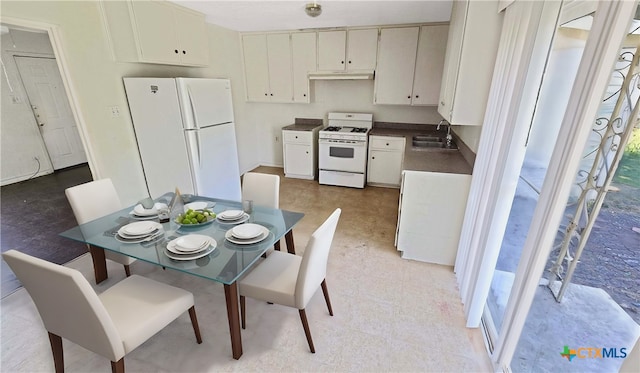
[
  {"x": 231, "y": 296},
  {"x": 291, "y": 247},
  {"x": 99, "y": 263}
]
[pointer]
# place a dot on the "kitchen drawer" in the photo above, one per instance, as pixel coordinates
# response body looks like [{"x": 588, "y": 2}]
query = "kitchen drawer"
[
  {"x": 305, "y": 137},
  {"x": 387, "y": 143}
]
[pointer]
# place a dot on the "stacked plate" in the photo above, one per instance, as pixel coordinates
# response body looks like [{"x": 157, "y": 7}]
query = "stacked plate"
[
  {"x": 198, "y": 205},
  {"x": 233, "y": 217},
  {"x": 140, "y": 231},
  {"x": 139, "y": 212},
  {"x": 190, "y": 247},
  {"x": 247, "y": 234}
]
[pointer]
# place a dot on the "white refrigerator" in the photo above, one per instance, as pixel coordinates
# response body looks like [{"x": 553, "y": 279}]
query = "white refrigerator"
[{"x": 186, "y": 135}]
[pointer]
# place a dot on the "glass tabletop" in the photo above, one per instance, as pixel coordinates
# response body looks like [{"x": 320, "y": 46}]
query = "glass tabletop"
[{"x": 225, "y": 264}]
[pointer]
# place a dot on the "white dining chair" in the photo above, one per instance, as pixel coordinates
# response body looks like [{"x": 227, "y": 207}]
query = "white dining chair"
[
  {"x": 263, "y": 190},
  {"x": 111, "y": 324},
  {"x": 93, "y": 200},
  {"x": 291, "y": 280}
]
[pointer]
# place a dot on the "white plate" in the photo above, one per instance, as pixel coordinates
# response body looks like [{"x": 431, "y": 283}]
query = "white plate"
[
  {"x": 198, "y": 205},
  {"x": 231, "y": 214},
  {"x": 141, "y": 211},
  {"x": 139, "y": 228},
  {"x": 242, "y": 219},
  {"x": 171, "y": 246},
  {"x": 201, "y": 254},
  {"x": 247, "y": 231},
  {"x": 137, "y": 236},
  {"x": 262, "y": 236},
  {"x": 192, "y": 242},
  {"x": 126, "y": 239}
]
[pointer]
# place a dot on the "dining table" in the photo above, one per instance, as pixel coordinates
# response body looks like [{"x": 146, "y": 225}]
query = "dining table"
[{"x": 225, "y": 264}]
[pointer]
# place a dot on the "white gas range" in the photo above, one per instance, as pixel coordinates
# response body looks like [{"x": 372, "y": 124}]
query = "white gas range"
[{"x": 342, "y": 149}]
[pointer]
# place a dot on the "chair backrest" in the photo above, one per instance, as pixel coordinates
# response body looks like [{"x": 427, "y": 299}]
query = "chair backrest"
[
  {"x": 313, "y": 268},
  {"x": 93, "y": 200},
  {"x": 67, "y": 304},
  {"x": 262, "y": 189}
]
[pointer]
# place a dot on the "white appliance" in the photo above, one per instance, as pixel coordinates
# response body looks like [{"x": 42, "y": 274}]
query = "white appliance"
[
  {"x": 342, "y": 149},
  {"x": 186, "y": 135}
]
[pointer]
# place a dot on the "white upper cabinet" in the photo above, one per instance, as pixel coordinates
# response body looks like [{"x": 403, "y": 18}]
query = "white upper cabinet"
[
  {"x": 303, "y": 58},
  {"x": 331, "y": 50},
  {"x": 396, "y": 64},
  {"x": 279, "y": 56},
  {"x": 362, "y": 48},
  {"x": 432, "y": 45},
  {"x": 474, "y": 35},
  {"x": 410, "y": 63},
  {"x": 267, "y": 66},
  {"x": 156, "y": 32},
  {"x": 192, "y": 38},
  {"x": 256, "y": 67},
  {"x": 347, "y": 50}
]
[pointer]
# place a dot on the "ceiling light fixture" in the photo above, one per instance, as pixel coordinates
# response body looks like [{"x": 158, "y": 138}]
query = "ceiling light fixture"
[{"x": 313, "y": 9}]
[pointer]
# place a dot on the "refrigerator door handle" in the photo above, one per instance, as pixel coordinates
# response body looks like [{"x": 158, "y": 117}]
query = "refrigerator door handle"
[
  {"x": 197, "y": 134},
  {"x": 193, "y": 109}
]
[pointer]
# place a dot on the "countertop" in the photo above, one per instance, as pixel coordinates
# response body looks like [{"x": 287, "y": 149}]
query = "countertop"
[
  {"x": 431, "y": 160},
  {"x": 303, "y": 124}
]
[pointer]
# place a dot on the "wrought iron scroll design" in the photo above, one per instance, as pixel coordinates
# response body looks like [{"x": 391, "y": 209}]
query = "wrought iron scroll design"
[{"x": 595, "y": 178}]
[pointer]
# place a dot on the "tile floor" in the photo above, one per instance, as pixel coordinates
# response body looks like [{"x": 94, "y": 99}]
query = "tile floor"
[
  {"x": 390, "y": 314},
  {"x": 33, "y": 212}
]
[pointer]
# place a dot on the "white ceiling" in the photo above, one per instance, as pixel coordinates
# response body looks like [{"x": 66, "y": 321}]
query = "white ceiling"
[{"x": 243, "y": 15}]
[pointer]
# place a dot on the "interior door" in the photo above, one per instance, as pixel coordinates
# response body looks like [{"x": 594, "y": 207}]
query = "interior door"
[{"x": 48, "y": 99}]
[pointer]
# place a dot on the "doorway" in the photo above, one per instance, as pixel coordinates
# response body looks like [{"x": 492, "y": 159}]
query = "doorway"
[
  {"x": 39, "y": 127},
  {"x": 25, "y": 155}
]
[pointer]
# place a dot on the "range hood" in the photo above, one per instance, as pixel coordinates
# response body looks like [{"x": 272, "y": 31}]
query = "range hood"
[{"x": 340, "y": 75}]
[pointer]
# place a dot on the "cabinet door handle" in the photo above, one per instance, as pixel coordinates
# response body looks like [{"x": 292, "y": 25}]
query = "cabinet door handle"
[
  {"x": 304, "y": 95},
  {"x": 349, "y": 61},
  {"x": 408, "y": 96},
  {"x": 184, "y": 52},
  {"x": 387, "y": 144},
  {"x": 307, "y": 152},
  {"x": 342, "y": 62},
  {"x": 266, "y": 94},
  {"x": 373, "y": 157},
  {"x": 272, "y": 94},
  {"x": 417, "y": 96},
  {"x": 175, "y": 50}
]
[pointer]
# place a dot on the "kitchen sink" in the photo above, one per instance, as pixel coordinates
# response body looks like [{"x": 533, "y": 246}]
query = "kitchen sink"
[
  {"x": 431, "y": 143},
  {"x": 427, "y": 138}
]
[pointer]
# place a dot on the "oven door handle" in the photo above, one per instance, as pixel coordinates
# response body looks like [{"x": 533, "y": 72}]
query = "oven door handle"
[{"x": 343, "y": 142}]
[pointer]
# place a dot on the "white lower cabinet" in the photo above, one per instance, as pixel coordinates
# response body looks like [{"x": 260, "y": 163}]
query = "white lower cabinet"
[
  {"x": 299, "y": 152},
  {"x": 432, "y": 207},
  {"x": 385, "y": 160}
]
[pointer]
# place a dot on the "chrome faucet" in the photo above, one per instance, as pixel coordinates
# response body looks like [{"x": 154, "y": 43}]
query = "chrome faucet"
[{"x": 448, "y": 137}]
